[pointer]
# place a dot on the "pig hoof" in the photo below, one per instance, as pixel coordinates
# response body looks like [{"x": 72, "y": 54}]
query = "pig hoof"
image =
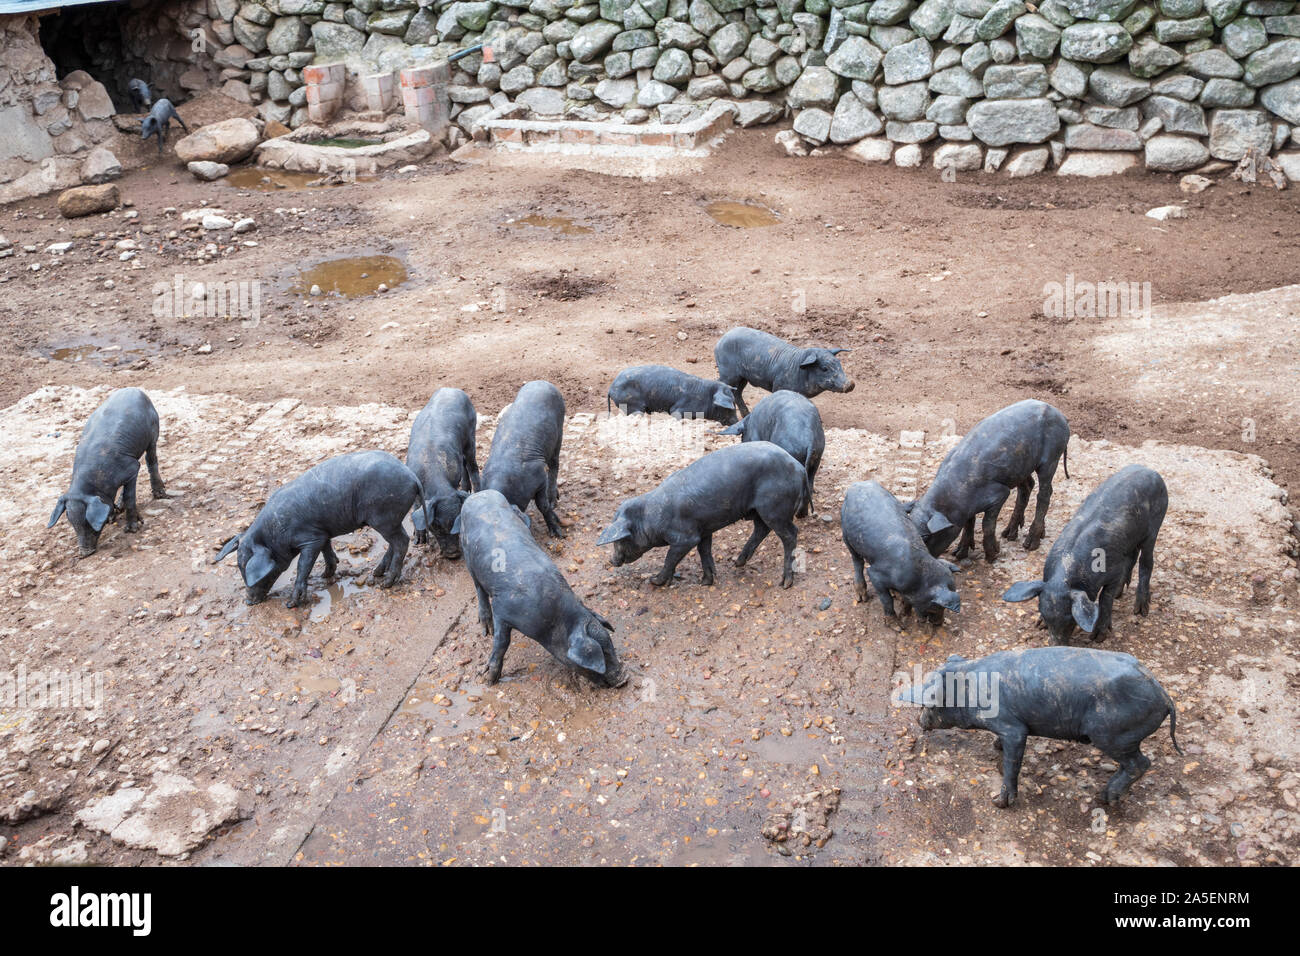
[
  {"x": 787, "y": 581},
  {"x": 1010, "y": 533},
  {"x": 1032, "y": 542},
  {"x": 1142, "y": 607},
  {"x": 161, "y": 494},
  {"x": 659, "y": 580},
  {"x": 706, "y": 580},
  {"x": 1002, "y": 801}
]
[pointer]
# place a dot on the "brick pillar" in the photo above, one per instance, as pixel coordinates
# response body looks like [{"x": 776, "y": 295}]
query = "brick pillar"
[
  {"x": 324, "y": 90},
  {"x": 424, "y": 96},
  {"x": 380, "y": 90}
]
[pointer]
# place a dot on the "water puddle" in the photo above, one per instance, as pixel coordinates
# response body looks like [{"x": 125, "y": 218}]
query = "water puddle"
[
  {"x": 561, "y": 224},
  {"x": 448, "y": 711},
  {"x": 326, "y": 596},
  {"x": 311, "y": 680},
  {"x": 268, "y": 180},
  {"x": 742, "y": 215},
  {"x": 99, "y": 354},
  {"x": 354, "y": 276},
  {"x": 346, "y": 142}
]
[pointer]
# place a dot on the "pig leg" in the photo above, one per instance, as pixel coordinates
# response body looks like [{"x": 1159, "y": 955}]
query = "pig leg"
[
  {"x": 331, "y": 559},
  {"x": 675, "y": 554},
  {"x": 1146, "y": 562},
  {"x": 760, "y": 532},
  {"x": 546, "y": 506},
  {"x": 306, "y": 560},
  {"x": 789, "y": 535},
  {"x": 500, "y": 643},
  {"x": 1038, "y": 525},
  {"x": 990, "y": 527},
  {"x": 471, "y": 466},
  {"x": 1132, "y": 765},
  {"x": 738, "y": 386},
  {"x": 1013, "y": 754},
  {"x": 967, "y": 540},
  {"x": 155, "y": 476},
  {"x": 705, "y": 547},
  {"x": 391, "y": 564},
  {"x": 1012, "y": 530},
  {"x": 859, "y": 581},
  {"x": 484, "y": 609},
  {"x": 1105, "y": 604},
  {"x": 129, "y": 506},
  {"x": 881, "y": 584}
]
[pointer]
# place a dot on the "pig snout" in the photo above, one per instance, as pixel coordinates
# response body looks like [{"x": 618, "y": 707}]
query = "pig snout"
[{"x": 848, "y": 386}]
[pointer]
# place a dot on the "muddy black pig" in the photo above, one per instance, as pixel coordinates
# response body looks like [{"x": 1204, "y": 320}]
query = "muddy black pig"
[
  {"x": 141, "y": 99},
  {"x": 520, "y": 589},
  {"x": 524, "y": 461},
  {"x": 877, "y": 533},
  {"x": 338, "y": 496},
  {"x": 658, "y": 388},
  {"x": 441, "y": 454},
  {"x": 158, "y": 121},
  {"x": 1003, "y": 452},
  {"x": 754, "y": 480},
  {"x": 108, "y": 458},
  {"x": 746, "y": 356},
  {"x": 1094, "y": 697},
  {"x": 1092, "y": 561},
  {"x": 787, "y": 419}
]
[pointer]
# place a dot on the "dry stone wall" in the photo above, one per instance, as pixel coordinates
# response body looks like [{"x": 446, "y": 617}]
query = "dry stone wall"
[{"x": 1169, "y": 84}]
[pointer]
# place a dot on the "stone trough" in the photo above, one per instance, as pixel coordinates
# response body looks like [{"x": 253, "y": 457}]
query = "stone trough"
[{"x": 305, "y": 149}]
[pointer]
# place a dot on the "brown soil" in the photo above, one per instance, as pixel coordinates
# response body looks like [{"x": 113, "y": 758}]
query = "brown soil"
[{"x": 756, "y": 696}]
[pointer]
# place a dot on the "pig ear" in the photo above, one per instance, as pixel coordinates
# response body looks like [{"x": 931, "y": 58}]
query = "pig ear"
[
  {"x": 604, "y": 622},
  {"x": 723, "y": 398},
  {"x": 455, "y": 525},
  {"x": 937, "y": 523},
  {"x": 96, "y": 512},
  {"x": 417, "y": 517},
  {"x": 949, "y": 599},
  {"x": 615, "y": 532},
  {"x": 585, "y": 652},
  {"x": 226, "y": 548},
  {"x": 908, "y": 506},
  {"x": 528, "y": 522},
  {"x": 260, "y": 564},
  {"x": 1085, "y": 610},
  {"x": 1022, "y": 591},
  {"x": 59, "y": 507},
  {"x": 809, "y": 358},
  {"x": 838, "y": 351},
  {"x": 912, "y": 694}
]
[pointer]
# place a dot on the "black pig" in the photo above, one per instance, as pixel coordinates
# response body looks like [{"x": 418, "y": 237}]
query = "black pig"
[
  {"x": 520, "y": 589},
  {"x": 1002, "y": 452},
  {"x": 141, "y": 99},
  {"x": 158, "y": 120},
  {"x": 755, "y": 480},
  {"x": 658, "y": 388},
  {"x": 108, "y": 458},
  {"x": 747, "y": 356},
  {"x": 524, "y": 462},
  {"x": 787, "y": 419},
  {"x": 1096, "y": 697},
  {"x": 441, "y": 454},
  {"x": 1092, "y": 561},
  {"x": 878, "y": 533},
  {"x": 338, "y": 496}
]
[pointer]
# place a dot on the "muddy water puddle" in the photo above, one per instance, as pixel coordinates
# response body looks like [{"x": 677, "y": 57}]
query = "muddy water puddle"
[
  {"x": 449, "y": 712},
  {"x": 742, "y": 215},
  {"x": 563, "y": 225},
  {"x": 98, "y": 353},
  {"x": 337, "y": 590},
  {"x": 260, "y": 179},
  {"x": 351, "y": 276}
]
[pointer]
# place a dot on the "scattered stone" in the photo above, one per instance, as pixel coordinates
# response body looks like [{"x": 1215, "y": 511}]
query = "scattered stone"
[
  {"x": 207, "y": 171},
  {"x": 227, "y": 141},
  {"x": 88, "y": 200}
]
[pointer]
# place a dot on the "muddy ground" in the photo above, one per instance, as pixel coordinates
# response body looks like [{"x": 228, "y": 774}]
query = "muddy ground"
[{"x": 356, "y": 730}]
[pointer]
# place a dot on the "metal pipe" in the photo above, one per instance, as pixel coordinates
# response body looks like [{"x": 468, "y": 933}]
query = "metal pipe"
[{"x": 465, "y": 52}]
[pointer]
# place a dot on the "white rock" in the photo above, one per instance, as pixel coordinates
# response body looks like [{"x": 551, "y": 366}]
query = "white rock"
[
  {"x": 212, "y": 222},
  {"x": 1090, "y": 163},
  {"x": 909, "y": 156},
  {"x": 1167, "y": 212},
  {"x": 874, "y": 150}
]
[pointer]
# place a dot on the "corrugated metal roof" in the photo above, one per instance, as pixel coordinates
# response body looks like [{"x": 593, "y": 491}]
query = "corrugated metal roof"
[{"x": 42, "y": 6}]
